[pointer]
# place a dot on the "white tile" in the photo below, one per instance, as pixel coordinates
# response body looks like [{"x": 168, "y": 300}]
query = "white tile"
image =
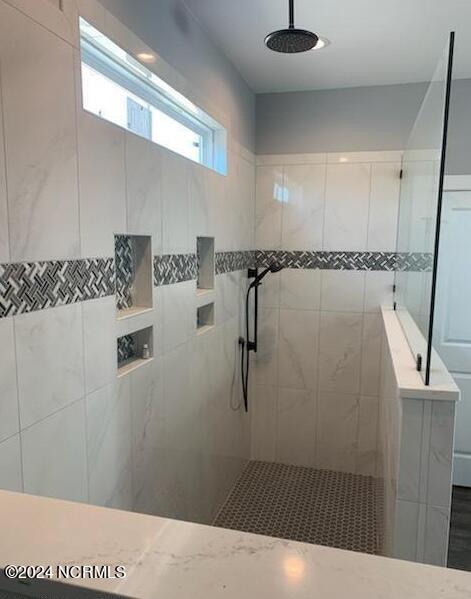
[
  {"x": 303, "y": 207},
  {"x": 300, "y": 289},
  {"x": 441, "y": 453},
  {"x": 263, "y": 406},
  {"x": 371, "y": 354},
  {"x": 410, "y": 453},
  {"x": 436, "y": 538},
  {"x": 227, "y": 297},
  {"x": 406, "y": 530},
  {"x": 367, "y": 436},
  {"x": 297, "y": 349},
  {"x": 287, "y": 159},
  {"x": 352, "y": 157},
  {"x": 342, "y": 291},
  {"x": 9, "y": 423},
  {"x": 340, "y": 352},
  {"x": 203, "y": 198},
  {"x": 99, "y": 341},
  {"x": 148, "y": 439},
  {"x": 266, "y": 363},
  {"x": 49, "y": 349},
  {"x": 10, "y": 465},
  {"x": 109, "y": 445},
  {"x": 40, "y": 135},
  {"x": 378, "y": 290},
  {"x": 4, "y": 236},
  {"x": 179, "y": 314},
  {"x": 337, "y": 426},
  {"x": 143, "y": 189},
  {"x": 296, "y": 427},
  {"x": 175, "y": 205},
  {"x": 59, "y": 468},
  {"x": 102, "y": 184},
  {"x": 269, "y": 291},
  {"x": 346, "y": 207},
  {"x": 384, "y": 207},
  {"x": 268, "y": 207}
]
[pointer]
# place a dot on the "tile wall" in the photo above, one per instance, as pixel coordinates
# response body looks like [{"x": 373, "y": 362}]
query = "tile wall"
[
  {"x": 317, "y": 376},
  {"x": 170, "y": 437}
]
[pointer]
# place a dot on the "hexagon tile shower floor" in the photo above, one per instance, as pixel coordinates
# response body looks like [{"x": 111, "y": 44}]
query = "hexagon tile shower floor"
[{"x": 304, "y": 504}]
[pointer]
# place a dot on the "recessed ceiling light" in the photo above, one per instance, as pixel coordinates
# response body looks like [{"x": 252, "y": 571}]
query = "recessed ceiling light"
[
  {"x": 322, "y": 42},
  {"x": 146, "y": 57}
]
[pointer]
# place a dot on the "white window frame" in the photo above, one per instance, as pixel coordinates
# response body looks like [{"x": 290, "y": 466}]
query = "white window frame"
[{"x": 131, "y": 76}]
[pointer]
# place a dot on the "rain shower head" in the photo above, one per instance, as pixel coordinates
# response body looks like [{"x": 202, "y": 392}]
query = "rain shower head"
[{"x": 291, "y": 40}]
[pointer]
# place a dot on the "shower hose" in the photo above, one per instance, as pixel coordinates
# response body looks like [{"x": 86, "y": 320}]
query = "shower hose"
[{"x": 245, "y": 354}]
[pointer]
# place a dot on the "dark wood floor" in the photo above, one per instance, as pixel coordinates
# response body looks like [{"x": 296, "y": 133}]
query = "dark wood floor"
[{"x": 459, "y": 554}]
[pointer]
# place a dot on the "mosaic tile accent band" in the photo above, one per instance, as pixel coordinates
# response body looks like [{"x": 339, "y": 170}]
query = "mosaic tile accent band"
[
  {"x": 126, "y": 348},
  {"x": 29, "y": 286},
  {"x": 124, "y": 258},
  {"x": 174, "y": 268},
  {"x": 374, "y": 261},
  {"x": 233, "y": 261}
]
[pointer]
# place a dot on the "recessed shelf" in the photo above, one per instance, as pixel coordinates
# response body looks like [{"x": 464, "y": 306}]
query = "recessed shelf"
[
  {"x": 205, "y": 256},
  {"x": 131, "y": 350},
  {"x": 133, "y": 259},
  {"x": 204, "y": 318}
]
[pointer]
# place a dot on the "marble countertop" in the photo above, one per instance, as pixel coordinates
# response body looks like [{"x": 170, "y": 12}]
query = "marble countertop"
[
  {"x": 410, "y": 382},
  {"x": 172, "y": 559}
]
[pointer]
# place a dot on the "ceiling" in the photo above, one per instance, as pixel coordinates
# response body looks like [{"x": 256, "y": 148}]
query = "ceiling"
[{"x": 373, "y": 42}]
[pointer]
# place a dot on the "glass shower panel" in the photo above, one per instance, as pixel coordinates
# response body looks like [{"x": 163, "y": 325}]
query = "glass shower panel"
[{"x": 420, "y": 199}]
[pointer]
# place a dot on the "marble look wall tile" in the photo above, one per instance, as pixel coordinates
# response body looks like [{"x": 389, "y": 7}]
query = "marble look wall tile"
[
  {"x": 49, "y": 347},
  {"x": 384, "y": 207},
  {"x": 410, "y": 453},
  {"x": 10, "y": 465},
  {"x": 367, "y": 436},
  {"x": 337, "y": 425},
  {"x": 300, "y": 289},
  {"x": 175, "y": 205},
  {"x": 406, "y": 530},
  {"x": 150, "y": 492},
  {"x": 268, "y": 207},
  {"x": 109, "y": 445},
  {"x": 371, "y": 354},
  {"x": 263, "y": 405},
  {"x": 441, "y": 453},
  {"x": 143, "y": 189},
  {"x": 39, "y": 128},
  {"x": 378, "y": 290},
  {"x": 297, "y": 349},
  {"x": 373, "y": 156},
  {"x": 179, "y": 314},
  {"x": 102, "y": 184},
  {"x": 296, "y": 427},
  {"x": 99, "y": 341},
  {"x": 9, "y": 422},
  {"x": 342, "y": 291},
  {"x": 266, "y": 362},
  {"x": 303, "y": 207},
  {"x": 57, "y": 469},
  {"x": 4, "y": 235},
  {"x": 340, "y": 352},
  {"x": 269, "y": 291},
  {"x": 346, "y": 208},
  {"x": 204, "y": 194},
  {"x": 437, "y": 526},
  {"x": 227, "y": 296}
]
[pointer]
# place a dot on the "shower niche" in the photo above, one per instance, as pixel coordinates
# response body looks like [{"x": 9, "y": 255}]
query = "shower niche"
[
  {"x": 205, "y": 258},
  {"x": 133, "y": 263},
  {"x": 204, "y": 318},
  {"x": 134, "y": 350}
]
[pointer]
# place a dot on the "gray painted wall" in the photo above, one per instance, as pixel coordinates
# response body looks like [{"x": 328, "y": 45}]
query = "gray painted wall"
[
  {"x": 357, "y": 119},
  {"x": 170, "y": 29}
]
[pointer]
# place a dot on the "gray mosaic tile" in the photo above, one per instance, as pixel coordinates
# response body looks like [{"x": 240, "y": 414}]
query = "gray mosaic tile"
[
  {"x": 126, "y": 348},
  {"x": 124, "y": 260},
  {"x": 29, "y": 286},
  {"x": 304, "y": 504},
  {"x": 174, "y": 268},
  {"x": 233, "y": 261}
]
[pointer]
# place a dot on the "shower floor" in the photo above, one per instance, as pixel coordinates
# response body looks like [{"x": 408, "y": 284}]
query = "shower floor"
[{"x": 304, "y": 504}]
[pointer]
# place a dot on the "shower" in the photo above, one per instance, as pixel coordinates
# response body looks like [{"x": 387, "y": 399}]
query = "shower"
[
  {"x": 291, "y": 40},
  {"x": 246, "y": 345}
]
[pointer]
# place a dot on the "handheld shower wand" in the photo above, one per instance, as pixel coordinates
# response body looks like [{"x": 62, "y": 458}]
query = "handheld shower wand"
[{"x": 246, "y": 345}]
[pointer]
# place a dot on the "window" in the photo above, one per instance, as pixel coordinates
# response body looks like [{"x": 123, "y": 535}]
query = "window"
[{"x": 120, "y": 89}]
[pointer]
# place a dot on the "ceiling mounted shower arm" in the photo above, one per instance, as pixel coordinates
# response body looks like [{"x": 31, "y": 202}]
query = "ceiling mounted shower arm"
[{"x": 291, "y": 14}]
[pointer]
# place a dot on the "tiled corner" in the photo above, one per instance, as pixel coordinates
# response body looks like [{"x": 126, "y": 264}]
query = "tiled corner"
[{"x": 9, "y": 421}]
